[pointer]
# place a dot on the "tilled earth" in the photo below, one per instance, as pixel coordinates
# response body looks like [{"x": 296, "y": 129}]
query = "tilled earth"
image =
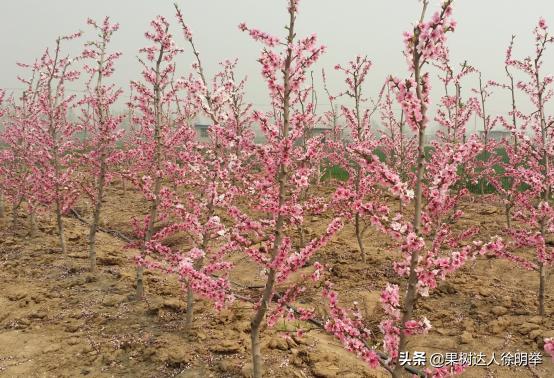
[{"x": 57, "y": 320}]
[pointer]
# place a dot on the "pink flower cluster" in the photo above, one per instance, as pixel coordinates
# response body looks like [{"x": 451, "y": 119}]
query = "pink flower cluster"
[
  {"x": 428, "y": 39},
  {"x": 549, "y": 347},
  {"x": 350, "y": 331},
  {"x": 409, "y": 101}
]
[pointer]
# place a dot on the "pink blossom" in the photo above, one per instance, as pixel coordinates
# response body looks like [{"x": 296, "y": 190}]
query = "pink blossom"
[{"x": 549, "y": 347}]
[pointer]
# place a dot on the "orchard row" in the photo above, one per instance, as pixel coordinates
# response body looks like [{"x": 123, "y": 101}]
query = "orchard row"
[{"x": 229, "y": 195}]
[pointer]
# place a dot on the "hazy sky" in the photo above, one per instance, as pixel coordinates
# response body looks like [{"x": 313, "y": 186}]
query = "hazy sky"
[{"x": 347, "y": 28}]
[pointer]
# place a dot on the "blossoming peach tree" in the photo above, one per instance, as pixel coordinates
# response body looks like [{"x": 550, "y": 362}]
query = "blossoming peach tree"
[
  {"x": 365, "y": 171},
  {"x": 452, "y": 117},
  {"x": 102, "y": 128},
  {"x": 507, "y": 183},
  {"x": 431, "y": 248},
  {"x": 534, "y": 213},
  {"x": 207, "y": 199},
  {"x": 158, "y": 134},
  {"x": 17, "y": 161},
  {"x": 488, "y": 159},
  {"x": 204, "y": 181},
  {"x": 282, "y": 174},
  {"x": 53, "y": 132}
]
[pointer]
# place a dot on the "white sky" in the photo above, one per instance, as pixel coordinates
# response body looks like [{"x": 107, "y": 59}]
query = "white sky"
[{"x": 347, "y": 28}]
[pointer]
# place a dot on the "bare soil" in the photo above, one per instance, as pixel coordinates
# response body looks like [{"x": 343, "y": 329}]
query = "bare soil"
[{"x": 56, "y": 320}]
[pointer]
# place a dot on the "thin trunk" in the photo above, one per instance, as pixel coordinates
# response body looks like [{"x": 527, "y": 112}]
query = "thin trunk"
[
  {"x": 148, "y": 236},
  {"x": 15, "y": 215},
  {"x": 190, "y": 309},
  {"x": 301, "y": 235},
  {"x": 260, "y": 314},
  {"x": 139, "y": 282},
  {"x": 153, "y": 213},
  {"x": 514, "y": 107},
  {"x": 359, "y": 236},
  {"x": 2, "y": 207},
  {"x": 102, "y": 115},
  {"x": 547, "y": 191},
  {"x": 33, "y": 223},
  {"x": 198, "y": 265},
  {"x": 456, "y": 120},
  {"x": 318, "y": 180},
  {"x": 279, "y": 224},
  {"x": 482, "y": 181},
  {"x": 542, "y": 281},
  {"x": 542, "y": 274},
  {"x": 57, "y": 174},
  {"x": 59, "y": 220},
  {"x": 52, "y": 103},
  {"x": 411, "y": 293},
  {"x": 301, "y": 230},
  {"x": 546, "y": 198},
  {"x": 403, "y": 167},
  {"x": 485, "y": 129},
  {"x": 96, "y": 217},
  {"x": 400, "y": 206},
  {"x": 361, "y": 137}
]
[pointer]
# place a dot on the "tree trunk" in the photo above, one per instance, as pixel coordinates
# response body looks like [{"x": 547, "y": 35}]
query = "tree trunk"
[
  {"x": 542, "y": 270},
  {"x": 197, "y": 265},
  {"x": 318, "y": 180},
  {"x": 256, "y": 324},
  {"x": 59, "y": 221},
  {"x": 2, "y": 207},
  {"x": 411, "y": 293},
  {"x": 280, "y": 221},
  {"x": 15, "y": 217},
  {"x": 357, "y": 225},
  {"x": 96, "y": 216},
  {"x": 303, "y": 196},
  {"x": 139, "y": 282},
  {"x": 301, "y": 234},
  {"x": 33, "y": 223},
  {"x": 190, "y": 309},
  {"x": 359, "y": 236},
  {"x": 157, "y": 160},
  {"x": 546, "y": 194},
  {"x": 256, "y": 353},
  {"x": 92, "y": 239},
  {"x": 542, "y": 281},
  {"x": 148, "y": 236},
  {"x": 400, "y": 206}
]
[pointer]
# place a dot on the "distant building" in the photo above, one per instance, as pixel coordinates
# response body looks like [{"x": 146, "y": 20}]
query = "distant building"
[
  {"x": 312, "y": 133},
  {"x": 318, "y": 130},
  {"x": 201, "y": 131},
  {"x": 497, "y": 135}
]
